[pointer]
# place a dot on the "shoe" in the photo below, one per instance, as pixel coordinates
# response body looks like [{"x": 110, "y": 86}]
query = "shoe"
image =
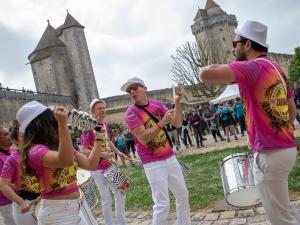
[
  {"x": 192, "y": 145},
  {"x": 228, "y": 140},
  {"x": 204, "y": 139},
  {"x": 198, "y": 146},
  {"x": 216, "y": 140},
  {"x": 236, "y": 138},
  {"x": 223, "y": 139}
]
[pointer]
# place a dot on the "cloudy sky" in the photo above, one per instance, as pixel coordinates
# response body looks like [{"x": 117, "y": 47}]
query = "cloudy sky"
[{"x": 129, "y": 37}]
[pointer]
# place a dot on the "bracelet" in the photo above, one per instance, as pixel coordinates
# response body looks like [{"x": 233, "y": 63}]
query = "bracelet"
[{"x": 159, "y": 126}]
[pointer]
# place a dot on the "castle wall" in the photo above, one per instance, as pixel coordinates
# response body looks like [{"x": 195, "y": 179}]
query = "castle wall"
[
  {"x": 12, "y": 100},
  {"x": 82, "y": 70},
  {"x": 284, "y": 60}
]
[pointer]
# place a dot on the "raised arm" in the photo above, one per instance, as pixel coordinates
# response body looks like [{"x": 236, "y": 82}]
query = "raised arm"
[{"x": 216, "y": 74}]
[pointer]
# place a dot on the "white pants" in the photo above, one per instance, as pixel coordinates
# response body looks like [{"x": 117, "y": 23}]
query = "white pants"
[
  {"x": 271, "y": 171},
  {"x": 62, "y": 212},
  {"x": 106, "y": 201},
  {"x": 162, "y": 176},
  {"x": 6, "y": 214},
  {"x": 23, "y": 218}
]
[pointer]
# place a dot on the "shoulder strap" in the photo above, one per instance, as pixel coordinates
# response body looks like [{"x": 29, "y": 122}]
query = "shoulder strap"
[
  {"x": 156, "y": 120},
  {"x": 282, "y": 80}
]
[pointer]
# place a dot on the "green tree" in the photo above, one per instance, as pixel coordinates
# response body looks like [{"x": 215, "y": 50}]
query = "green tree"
[{"x": 294, "y": 70}]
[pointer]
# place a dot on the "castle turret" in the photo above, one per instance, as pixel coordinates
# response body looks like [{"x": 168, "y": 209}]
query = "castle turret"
[
  {"x": 71, "y": 33},
  {"x": 50, "y": 65},
  {"x": 214, "y": 28}
]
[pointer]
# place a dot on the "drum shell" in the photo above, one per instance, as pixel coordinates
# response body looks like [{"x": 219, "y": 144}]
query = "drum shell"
[
  {"x": 238, "y": 180},
  {"x": 88, "y": 189}
]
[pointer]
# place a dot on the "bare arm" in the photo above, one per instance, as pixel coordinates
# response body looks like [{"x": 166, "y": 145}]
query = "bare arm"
[
  {"x": 64, "y": 156},
  {"x": 177, "y": 119},
  {"x": 216, "y": 74},
  {"x": 292, "y": 110},
  {"x": 6, "y": 189}
]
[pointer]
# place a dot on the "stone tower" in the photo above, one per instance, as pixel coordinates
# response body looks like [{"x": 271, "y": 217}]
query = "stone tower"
[
  {"x": 214, "y": 28},
  {"x": 61, "y": 63}
]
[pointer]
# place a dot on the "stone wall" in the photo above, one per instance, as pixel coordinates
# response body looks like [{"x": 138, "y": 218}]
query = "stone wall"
[
  {"x": 12, "y": 100},
  {"x": 284, "y": 60}
]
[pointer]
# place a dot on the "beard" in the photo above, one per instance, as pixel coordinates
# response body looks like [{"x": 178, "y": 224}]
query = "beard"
[{"x": 241, "y": 57}]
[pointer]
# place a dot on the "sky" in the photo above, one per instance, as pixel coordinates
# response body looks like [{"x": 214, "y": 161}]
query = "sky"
[{"x": 129, "y": 38}]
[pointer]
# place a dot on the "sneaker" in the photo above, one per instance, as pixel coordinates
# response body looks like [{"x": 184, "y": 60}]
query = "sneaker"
[
  {"x": 216, "y": 140},
  {"x": 223, "y": 139},
  {"x": 236, "y": 138},
  {"x": 228, "y": 140}
]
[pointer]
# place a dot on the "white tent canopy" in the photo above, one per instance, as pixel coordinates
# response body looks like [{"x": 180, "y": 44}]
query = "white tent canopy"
[{"x": 231, "y": 92}]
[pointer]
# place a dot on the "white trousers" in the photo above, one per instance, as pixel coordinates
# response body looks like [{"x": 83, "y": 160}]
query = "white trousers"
[
  {"x": 106, "y": 202},
  {"x": 23, "y": 218},
  {"x": 271, "y": 171},
  {"x": 62, "y": 212},
  {"x": 162, "y": 176},
  {"x": 6, "y": 214}
]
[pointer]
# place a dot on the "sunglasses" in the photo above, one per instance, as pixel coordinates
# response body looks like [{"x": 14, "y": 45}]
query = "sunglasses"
[
  {"x": 234, "y": 43},
  {"x": 133, "y": 87}
]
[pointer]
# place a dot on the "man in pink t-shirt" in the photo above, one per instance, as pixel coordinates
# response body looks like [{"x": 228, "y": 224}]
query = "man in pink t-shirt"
[
  {"x": 5, "y": 151},
  {"x": 97, "y": 109},
  {"x": 270, "y": 113},
  {"x": 147, "y": 120}
]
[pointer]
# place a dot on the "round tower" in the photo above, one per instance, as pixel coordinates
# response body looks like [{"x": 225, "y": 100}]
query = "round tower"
[
  {"x": 214, "y": 28},
  {"x": 50, "y": 66},
  {"x": 71, "y": 33}
]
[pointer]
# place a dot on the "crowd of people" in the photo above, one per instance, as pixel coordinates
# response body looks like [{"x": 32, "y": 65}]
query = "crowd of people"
[{"x": 38, "y": 161}]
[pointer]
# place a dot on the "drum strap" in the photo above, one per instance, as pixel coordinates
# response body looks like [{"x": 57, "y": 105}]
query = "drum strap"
[{"x": 156, "y": 120}]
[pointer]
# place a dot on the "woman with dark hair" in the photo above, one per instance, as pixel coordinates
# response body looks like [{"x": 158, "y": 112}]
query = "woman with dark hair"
[
  {"x": 26, "y": 187},
  {"x": 48, "y": 152}
]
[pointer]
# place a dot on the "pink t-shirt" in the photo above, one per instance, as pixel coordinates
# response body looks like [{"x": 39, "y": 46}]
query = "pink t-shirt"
[
  {"x": 266, "y": 107},
  {"x": 13, "y": 171},
  {"x": 3, "y": 158},
  {"x": 54, "y": 182},
  {"x": 157, "y": 149},
  {"x": 88, "y": 138}
]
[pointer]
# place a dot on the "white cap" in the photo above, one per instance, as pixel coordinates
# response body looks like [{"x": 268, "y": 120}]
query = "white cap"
[
  {"x": 133, "y": 80},
  {"x": 254, "y": 31},
  {"x": 29, "y": 112},
  {"x": 95, "y": 100}
]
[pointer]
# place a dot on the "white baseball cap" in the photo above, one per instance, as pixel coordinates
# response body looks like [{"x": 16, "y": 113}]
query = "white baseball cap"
[
  {"x": 94, "y": 101},
  {"x": 254, "y": 31},
  {"x": 29, "y": 112},
  {"x": 133, "y": 80}
]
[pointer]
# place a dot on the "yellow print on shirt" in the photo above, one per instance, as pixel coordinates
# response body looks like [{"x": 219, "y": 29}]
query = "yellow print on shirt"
[
  {"x": 31, "y": 183},
  {"x": 276, "y": 105},
  {"x": 159, "y": 140},
  {"x": 64, "y": 177}
]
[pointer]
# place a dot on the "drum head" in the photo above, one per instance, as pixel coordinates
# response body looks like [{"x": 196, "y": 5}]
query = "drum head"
[
  {"x": 83, "y": 176},
  {"x": 243, "y": 198}
]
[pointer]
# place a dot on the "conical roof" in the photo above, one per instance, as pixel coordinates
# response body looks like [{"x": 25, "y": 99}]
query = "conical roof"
[
  {"x": 211, "y": 4},
  {"x": 200, "y": 13},
  {"x": 47, "y": 40}
]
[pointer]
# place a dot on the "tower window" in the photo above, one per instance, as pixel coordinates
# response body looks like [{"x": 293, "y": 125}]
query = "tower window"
[
  {"x": 221, "y": 29},
  {"x": 223, "y": 38}
]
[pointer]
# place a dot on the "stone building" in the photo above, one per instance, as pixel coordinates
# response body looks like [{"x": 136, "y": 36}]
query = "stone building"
[
  {"x": 61, "y": 63},
  {"x": 214, "y": 28}
]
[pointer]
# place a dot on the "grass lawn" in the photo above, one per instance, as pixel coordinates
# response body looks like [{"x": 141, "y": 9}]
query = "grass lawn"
[{"x": 203, "y": 181}]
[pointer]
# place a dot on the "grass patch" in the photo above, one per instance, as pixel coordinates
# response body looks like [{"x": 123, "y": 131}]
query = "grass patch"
[{"x": 203, "y": 181}]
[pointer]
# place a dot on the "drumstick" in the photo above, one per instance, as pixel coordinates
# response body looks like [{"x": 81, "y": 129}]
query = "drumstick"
[{"x": 35, "y": 201}]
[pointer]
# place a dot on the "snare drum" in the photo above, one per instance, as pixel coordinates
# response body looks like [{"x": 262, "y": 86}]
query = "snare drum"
[
  {"x": 87, "y": 186},
  {"x": 238, "y": 181},
  {"x": 117, "y": 178}
]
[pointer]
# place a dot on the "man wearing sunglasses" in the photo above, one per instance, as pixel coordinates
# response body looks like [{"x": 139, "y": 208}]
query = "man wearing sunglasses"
[
  {"x": 270, "y": 112},
  {"x": 147, "y": 120}
]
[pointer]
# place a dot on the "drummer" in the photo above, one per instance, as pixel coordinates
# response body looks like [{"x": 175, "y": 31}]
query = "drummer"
[
  {"x": 97, "y": 109},
  {"x": 48, "y": 152},
  {"x": 26, "y": 188}
]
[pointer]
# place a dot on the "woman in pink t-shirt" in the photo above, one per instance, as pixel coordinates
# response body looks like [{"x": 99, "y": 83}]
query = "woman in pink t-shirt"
[
  {"x": 48, "y": 152},
  {"x": 26, "y": 188}
]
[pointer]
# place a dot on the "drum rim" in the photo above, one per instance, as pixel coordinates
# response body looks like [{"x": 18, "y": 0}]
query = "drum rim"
[
  {"x": 234, "y": 156},
  {"x": 237, "y": 189}
]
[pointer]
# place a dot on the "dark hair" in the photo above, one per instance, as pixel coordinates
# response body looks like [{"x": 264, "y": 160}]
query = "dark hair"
[
  {"x": 42, "y": 130},
  {"x": 14, "y": 130},
  {"x": 255, "y": 45}
]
